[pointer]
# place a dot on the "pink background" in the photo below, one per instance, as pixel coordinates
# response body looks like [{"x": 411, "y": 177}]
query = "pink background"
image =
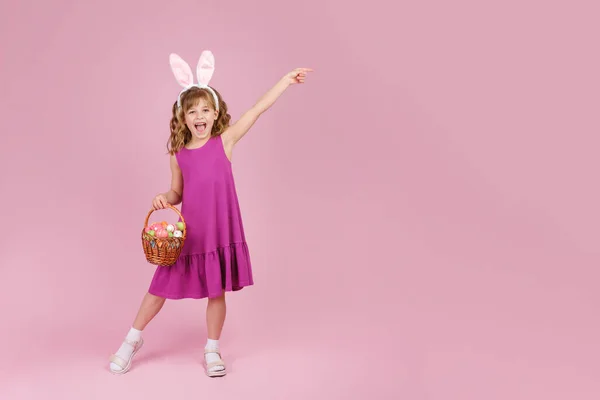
[{"x": 422, "y": 213}]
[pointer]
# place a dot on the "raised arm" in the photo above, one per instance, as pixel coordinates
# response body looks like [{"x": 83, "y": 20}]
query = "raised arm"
[{"x": 236, "y": 131}]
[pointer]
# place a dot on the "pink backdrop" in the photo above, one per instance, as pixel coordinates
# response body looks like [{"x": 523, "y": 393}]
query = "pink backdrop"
[{"x": 422, "y": 214}]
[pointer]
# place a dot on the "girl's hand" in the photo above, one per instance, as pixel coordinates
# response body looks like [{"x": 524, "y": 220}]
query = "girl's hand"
[
  {"x": 297, "y": 76},
  {"x": 160, "y": 201}
]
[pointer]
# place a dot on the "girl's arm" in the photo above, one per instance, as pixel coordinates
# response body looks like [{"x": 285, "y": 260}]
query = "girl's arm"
[
  {"x": 236, "y": 131},
  {"x": 173, "y": 196}
]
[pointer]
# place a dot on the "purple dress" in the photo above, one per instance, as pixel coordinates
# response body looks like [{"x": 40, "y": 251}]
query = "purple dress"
[{"x": 215, "y": 255}]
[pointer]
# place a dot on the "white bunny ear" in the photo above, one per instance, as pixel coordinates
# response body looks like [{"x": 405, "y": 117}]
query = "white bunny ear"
[
  {"x": 181, "y": 70},
  {"x": 206, "y": 67}
]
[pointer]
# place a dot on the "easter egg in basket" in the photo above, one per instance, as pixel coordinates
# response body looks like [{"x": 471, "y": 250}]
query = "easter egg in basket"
[{"x": 162, "y": 233}]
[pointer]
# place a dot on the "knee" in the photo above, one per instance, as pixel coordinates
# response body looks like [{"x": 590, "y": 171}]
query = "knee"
[
  {"x": 155, "y": 299},
  {"x": 219, "y": 299}
]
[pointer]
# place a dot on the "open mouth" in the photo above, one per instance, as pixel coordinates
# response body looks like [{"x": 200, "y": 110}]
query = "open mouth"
[{"x": 200, "y": 127}]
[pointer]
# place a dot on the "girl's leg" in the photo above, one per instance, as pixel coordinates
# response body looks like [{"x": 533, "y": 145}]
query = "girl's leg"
[
  {"x": 150, "y": 306},
  {"x": 216, "y": 311}
]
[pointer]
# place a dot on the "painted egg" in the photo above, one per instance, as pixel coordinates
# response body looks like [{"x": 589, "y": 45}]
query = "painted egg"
[
  {"x": 181, "y": 226},
  {"x": 170, "y": 228},
  {"x": 178, "y": 234}
]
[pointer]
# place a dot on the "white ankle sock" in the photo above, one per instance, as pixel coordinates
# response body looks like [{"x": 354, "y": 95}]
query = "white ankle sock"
[
  {"x": 212, "y": 357},
  {"x": 126, "y": 349},
  {"x": 212, "y": 344}
]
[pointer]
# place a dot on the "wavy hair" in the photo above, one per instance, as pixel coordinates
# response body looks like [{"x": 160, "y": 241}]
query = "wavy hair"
[{"x": 180, "y": 134}]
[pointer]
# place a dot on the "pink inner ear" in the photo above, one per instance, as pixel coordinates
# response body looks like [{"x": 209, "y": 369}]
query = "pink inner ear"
[
  {"x": 206, "y": 67},
  {"x": 181, "y": 70}
]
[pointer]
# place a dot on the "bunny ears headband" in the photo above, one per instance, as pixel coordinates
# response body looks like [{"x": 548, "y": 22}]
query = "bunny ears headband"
[{"x": 185, "y": 77}]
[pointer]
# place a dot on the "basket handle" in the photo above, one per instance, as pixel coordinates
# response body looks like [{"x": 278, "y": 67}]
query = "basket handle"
[{"x": 168, "y": 206}]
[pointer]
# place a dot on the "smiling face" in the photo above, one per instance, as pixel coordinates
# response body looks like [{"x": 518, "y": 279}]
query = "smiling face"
[
  {"x": 196, "y": 120},
  {"x": 200, "y": 118}
]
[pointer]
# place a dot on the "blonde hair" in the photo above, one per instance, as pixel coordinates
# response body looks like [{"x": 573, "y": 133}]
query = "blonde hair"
[{"x": 180, "y": 134}]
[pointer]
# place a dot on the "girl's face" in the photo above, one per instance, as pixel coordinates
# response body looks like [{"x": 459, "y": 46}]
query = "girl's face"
[{"x": 200, "y": 119}]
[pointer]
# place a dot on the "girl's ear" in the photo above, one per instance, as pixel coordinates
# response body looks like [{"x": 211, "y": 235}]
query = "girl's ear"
[
  {"x": 206, "y": 67},
  {"x": 181, "y": 70}
]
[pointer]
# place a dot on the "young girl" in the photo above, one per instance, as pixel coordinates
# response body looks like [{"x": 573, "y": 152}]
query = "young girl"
[{"x": 215, "y": 257}]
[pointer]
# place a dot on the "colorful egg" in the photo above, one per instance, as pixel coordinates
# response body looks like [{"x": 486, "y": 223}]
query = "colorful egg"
[
  {"x": 170, "y": 228},
  {"x": 181, "y": 226},
  {"x": 151, "y": 232},
  {"x": 177, "y": 234},
  {"x": 170, "y": 234},
  {"x": 162, "y": 233}
]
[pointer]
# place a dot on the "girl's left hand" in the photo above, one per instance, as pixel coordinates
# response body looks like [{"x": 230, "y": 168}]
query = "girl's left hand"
[{"x": 297, "y": 76}]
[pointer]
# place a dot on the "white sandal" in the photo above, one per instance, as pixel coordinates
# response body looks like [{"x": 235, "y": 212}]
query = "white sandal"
[
  {"x": 126, "y": 364},
  {"x": 218, "y": 363}
]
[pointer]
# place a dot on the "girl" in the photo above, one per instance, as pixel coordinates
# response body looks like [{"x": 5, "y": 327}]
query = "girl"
[{"x": 215, "y": 257}]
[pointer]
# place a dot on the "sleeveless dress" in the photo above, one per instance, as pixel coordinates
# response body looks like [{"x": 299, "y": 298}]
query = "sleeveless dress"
[{"x": 215, "y": 255}]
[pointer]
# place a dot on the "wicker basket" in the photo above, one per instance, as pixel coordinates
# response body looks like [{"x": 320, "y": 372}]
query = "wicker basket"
[{"x": 162, "y": 251}]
